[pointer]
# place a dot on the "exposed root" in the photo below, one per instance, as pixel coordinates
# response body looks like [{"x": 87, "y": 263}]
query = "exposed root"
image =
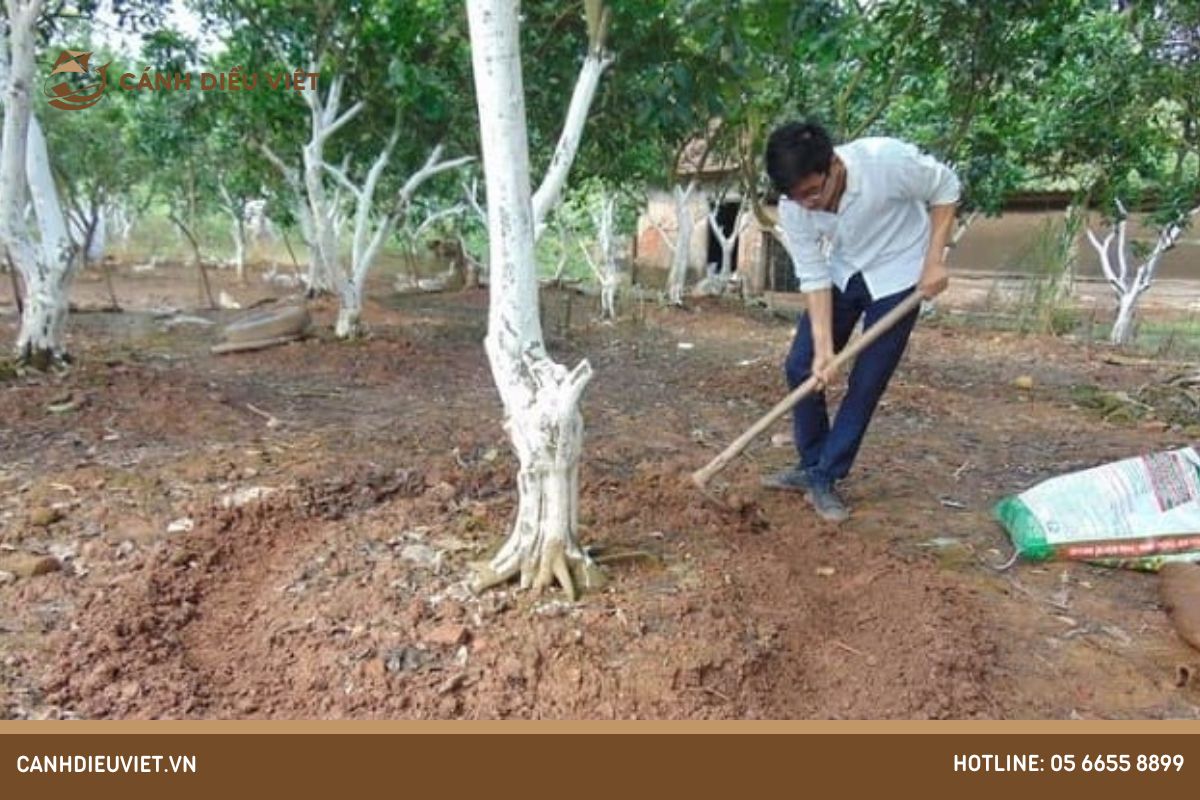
[
  {"x": 575, "y": 575},
  {"x": 42, "y": 359}
]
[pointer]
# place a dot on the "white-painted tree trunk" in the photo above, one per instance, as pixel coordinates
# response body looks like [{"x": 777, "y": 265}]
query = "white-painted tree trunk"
[
  {"x": 719, "y": 282},
  {"x": 682, "y": 246},
  {"x": 371, "y": 230},
  {"x": 1130, "y": 283},
  {"x": 323, "y": 248},
  {"x": 47, "y": 266},
  {"x": 97, "y": 245},
  {"x": 236, "y": 210},
  {"x": 605, "y": 267},
  {"x": 316, "y": 213},
  {"x": 540, "y": 397},
  {"x": 121, "y": 221}
]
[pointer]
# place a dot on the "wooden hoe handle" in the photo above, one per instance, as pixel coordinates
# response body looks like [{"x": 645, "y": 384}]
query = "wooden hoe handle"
[{"x": 702, "y": 476}]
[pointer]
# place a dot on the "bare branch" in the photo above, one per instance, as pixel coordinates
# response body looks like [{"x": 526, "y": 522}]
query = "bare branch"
[
  {"x": 457, "y": 208},
  {"x": 472, "y": 195},
  {"x": 433, "y": 166},
  {"x": 340, "y": 176},
  {"x": 337, "y": 124}
]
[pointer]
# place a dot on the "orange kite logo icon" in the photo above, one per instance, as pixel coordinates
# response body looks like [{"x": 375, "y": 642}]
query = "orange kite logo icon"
[{"x": 78, "y": 88}]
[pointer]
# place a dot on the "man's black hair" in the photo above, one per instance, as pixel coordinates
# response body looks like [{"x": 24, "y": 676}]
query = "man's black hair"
[{"x": 795, "y": 151}]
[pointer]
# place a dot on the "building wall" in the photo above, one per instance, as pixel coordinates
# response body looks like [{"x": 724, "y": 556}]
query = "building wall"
[{"x": 652, "y": 250}]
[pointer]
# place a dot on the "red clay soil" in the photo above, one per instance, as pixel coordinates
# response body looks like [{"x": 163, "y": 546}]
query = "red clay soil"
[{"x": 371, "y": 474}]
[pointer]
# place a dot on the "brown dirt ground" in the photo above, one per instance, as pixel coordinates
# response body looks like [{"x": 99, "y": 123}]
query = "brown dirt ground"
[{"x": 340, "y": 594}]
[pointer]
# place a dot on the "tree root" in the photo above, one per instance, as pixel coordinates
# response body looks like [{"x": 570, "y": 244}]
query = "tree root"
[{"x": 574, "y": 575}]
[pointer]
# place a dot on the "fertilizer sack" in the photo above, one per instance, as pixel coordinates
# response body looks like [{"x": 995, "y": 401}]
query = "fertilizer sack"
[{"x": 1138, "y": 513}]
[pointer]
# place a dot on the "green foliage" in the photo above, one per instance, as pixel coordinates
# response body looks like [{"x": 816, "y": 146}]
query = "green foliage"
[{"x": 1030, "y": 93}]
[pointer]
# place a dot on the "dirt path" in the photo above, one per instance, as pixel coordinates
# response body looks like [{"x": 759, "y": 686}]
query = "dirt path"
[{"x": 335, "y": 589}]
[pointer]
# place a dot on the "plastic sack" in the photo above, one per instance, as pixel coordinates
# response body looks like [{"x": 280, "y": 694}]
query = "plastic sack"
[{"x": 1139, "y": 513}]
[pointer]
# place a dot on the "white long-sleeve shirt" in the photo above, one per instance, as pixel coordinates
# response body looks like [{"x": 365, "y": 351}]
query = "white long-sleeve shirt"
[{"x": 881, "y": 227}]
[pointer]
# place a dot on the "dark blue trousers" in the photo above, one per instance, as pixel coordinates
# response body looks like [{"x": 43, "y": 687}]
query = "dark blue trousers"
[{"x": 826, "y": 452}]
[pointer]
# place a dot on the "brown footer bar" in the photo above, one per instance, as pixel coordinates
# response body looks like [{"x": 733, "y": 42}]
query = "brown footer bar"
[{"x": 569, "y": 761}]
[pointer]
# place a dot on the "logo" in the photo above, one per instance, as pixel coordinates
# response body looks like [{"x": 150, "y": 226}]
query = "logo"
[
  {"x": 76, "y": 87},
  {"x": 73, "y": 86}
]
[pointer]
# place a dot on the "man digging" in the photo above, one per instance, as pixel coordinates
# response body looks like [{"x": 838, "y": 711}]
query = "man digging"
[{"x": 884, "y": 211}]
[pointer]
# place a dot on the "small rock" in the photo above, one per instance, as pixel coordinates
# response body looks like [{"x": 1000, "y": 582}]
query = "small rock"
[
  {"x": 63, "y": 405},
  {"x": 243, "y": 496},
  {"x": 450, "y": 634},
  {"x": 781, "y": 440},
  {"x": 826, "y": 572},
  {"x": 405, "y": 659},
  {"x": 422, "y": 555},
  {"x": 7, "y": 578},
  {"x": 1024, "y": 382},
  {"x": 130, "y": 691},
  {"x": 181, "y": 525},
  {"x": 44, "y": 516}
]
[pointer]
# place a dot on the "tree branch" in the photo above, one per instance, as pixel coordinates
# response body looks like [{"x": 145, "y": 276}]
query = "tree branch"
[
  {"x": 337, "y": 124},
  {"x": 432, "y": 166},
  {"x": 340, "y": 176},
  {"x": 550, "y": 190}
]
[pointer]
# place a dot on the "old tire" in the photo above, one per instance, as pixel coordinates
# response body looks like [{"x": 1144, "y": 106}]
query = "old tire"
[{"x": 269, "y": 323}]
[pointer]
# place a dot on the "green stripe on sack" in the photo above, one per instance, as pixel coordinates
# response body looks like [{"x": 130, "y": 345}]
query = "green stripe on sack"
[{"x": 1027, "y": 534}]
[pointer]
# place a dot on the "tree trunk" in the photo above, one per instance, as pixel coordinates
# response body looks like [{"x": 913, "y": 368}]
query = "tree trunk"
[
  {"x": 677, "y": 281},
  {"x": 47, "y": 265},
  {"x": 39, "y": 341},
  {"x": 239, "y": 248},
  {"x": 367, "y": 240},
  {"x": 323, "y": 246},
  {"x": 349, "y": 319},
  {"x": 471, "y": 267},
  {"x": 1128, "y": 282},
  {"x": 205, "y": 286},
  {"x": 18, "y": 294},
  {"x": 236, "y": 208},
  {"x": 1122, "y": 331},
  {"x": 540, "y": 397}
]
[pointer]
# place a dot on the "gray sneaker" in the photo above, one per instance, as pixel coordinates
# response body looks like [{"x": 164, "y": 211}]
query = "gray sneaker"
[
  {"x": 828, "y": 505},
  {"x": 792, "y": 479}
]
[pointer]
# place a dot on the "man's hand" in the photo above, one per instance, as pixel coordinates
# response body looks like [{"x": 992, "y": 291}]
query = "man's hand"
[
  {"x": 822, "y": 367},
  {"x": 934, "y": 278}
]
